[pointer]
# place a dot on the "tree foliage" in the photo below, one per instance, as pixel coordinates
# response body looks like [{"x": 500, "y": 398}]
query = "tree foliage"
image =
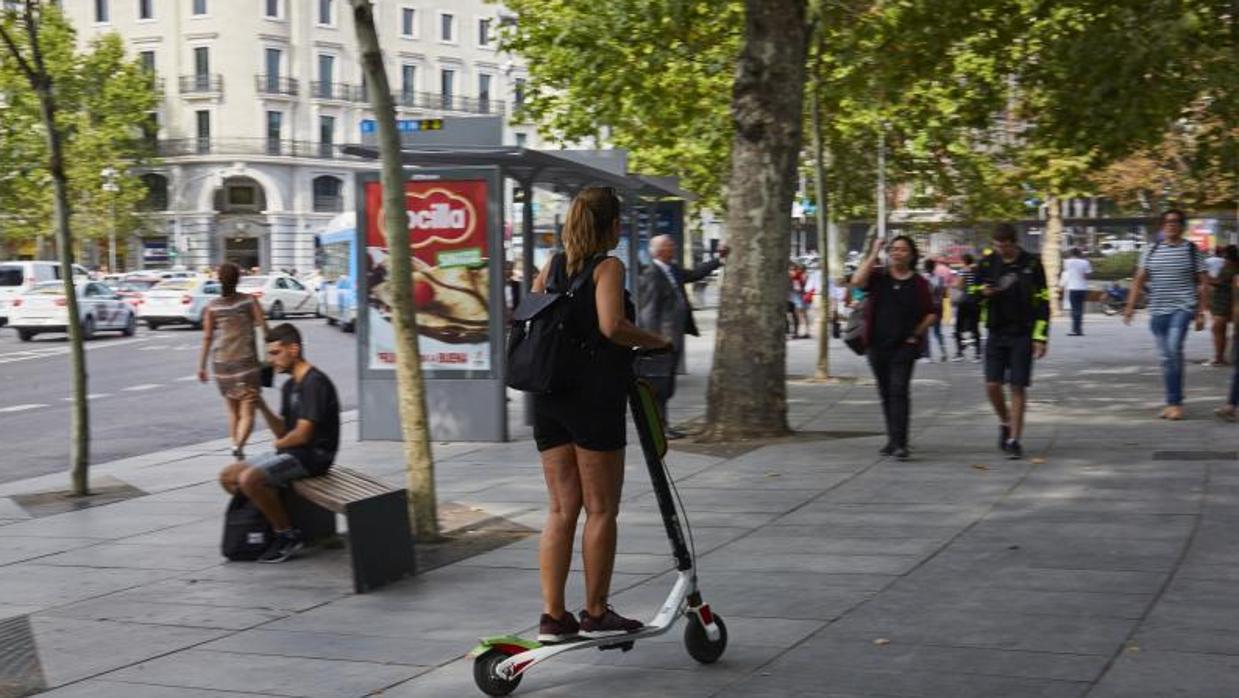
[
  {"x": 103, "y": 99},
  {"x": 651, "y": 76}
]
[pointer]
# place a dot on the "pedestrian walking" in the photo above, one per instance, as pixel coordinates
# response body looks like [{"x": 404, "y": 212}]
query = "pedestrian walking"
[
  {"x": 1075, "y": 284},
  {"x": 1174, "y": 271},
  {"x": 1017, "y": 310},
  {"x": 937, "y": 291},
  {"x": 580, "y": 434},
  {"x": 1221, "y": 302},
  {"x": 228, "y": 325},
  {"x": 1228, "y": 411},
  {"x": 307, "y": 436},
  {"x": 666, "y": 310},
  {"x": 966, "y": 303},
  {"x": 797, "y": 308},
  {"x": 899, "y": 311}
]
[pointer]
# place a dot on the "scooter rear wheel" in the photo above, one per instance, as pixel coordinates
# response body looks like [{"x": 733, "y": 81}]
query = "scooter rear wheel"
[
  {"x": 698, "y": 643},
  {"x": 487, "y": 679}
]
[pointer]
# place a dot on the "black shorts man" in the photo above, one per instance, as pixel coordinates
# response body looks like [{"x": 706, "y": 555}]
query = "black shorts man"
[{"x": 1016, "y": 308}]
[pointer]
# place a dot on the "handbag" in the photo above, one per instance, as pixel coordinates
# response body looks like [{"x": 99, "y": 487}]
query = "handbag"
[
  {"x": 854, "y": 330},
  {"x": 544, "y": 356}
]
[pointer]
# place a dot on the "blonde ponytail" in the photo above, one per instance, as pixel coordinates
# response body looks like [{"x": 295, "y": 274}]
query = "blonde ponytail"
[{"x": 588, "y": 229}]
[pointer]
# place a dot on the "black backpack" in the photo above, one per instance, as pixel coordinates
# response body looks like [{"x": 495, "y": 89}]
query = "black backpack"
[
  {"x": 246, "y": 531},
  {"x": 545, "y": 354}
]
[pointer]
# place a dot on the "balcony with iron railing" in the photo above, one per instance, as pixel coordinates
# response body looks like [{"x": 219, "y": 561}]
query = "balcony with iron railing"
[
  {"x": 449, "y": 102},
  {"x": 340, "y": 91},
  {"x": 206, "y": 83},
  {"x": 276, "y": 85},
  {"x": 181, "y": 147}
]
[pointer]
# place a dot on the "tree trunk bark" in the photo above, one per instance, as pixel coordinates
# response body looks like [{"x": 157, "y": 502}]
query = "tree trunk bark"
[
  {"x": 747, "y": 395},
  {"x": 419, "y": 462},
  {"x": 824, "y": 300},
  {"x": 1051, "y": 247},
  {"x": 79, "y": 478}
]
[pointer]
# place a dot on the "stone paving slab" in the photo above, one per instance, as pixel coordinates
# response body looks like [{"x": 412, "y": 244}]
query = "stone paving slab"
[{"x": 839, "y": 573}]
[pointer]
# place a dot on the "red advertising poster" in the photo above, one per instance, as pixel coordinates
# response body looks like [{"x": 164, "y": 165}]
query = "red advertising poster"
[{"x": 447, "y": 238}]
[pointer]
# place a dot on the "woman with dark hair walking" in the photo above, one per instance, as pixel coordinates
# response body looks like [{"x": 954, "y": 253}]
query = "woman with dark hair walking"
[
  {"x": 899, "y": 310},
  {"x": 581, "y": 433},
  {"x": 233, "y": 317}
]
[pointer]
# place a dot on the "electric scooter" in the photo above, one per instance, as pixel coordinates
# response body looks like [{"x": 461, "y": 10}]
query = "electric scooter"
[{"x": 501, "y": 661}]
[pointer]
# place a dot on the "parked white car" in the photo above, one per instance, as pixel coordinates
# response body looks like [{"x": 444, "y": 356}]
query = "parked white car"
[
  {"x": 280, "y": 295},
  {"x": 18, "y": 277},
  {"x": 45, "y": 309},
  {"x": 177, "y": 302}
]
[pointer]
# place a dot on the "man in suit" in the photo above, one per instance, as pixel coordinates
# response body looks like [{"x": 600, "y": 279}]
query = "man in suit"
[{"x": 663, "y": 307}]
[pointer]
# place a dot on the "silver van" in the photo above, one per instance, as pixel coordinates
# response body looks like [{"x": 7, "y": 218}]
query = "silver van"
[{"x": 18, "y": 277}]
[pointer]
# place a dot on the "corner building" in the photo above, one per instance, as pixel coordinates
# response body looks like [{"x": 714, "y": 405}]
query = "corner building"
[{"x": 259, "y": 96}]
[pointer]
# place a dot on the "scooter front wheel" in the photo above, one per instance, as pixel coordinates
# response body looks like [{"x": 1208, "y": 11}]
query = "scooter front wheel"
[
  {"x": 698, "y": 643},
  {"x": 487, "y": 679}
]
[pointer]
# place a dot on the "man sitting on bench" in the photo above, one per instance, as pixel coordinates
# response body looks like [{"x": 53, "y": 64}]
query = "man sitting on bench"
[{"x": 307, "y": 435}]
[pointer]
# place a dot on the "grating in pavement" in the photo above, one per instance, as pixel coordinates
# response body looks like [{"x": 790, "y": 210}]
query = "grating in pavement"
[
  {"x": 103, "y": 490},
  {"x": 1196, "y": 455},
  {"x": 20, "y": 672}
]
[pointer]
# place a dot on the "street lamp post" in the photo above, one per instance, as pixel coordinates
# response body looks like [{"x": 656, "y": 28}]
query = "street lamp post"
[{"x": 111, "y": 187}]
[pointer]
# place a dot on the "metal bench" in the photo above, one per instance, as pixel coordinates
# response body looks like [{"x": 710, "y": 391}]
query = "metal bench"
[{"x": 380, "y": 542}]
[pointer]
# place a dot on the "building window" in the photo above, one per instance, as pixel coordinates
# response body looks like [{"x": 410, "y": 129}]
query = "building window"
[
  {"x": 447, "y": 85},
  {"x": 326, "y": 134},
  {"x": 145, "y": 11},
  {"x": 101, "y": 11},
  {"x": 408, "y": 82},
  {"x": 200, "y": 7},
  {"x": 484, "y": 37},
  {"x": 275, "y": 122},
  {"x": 156, "y": 192},
  {"x": 327, "y": 194},
  {"x": 326, "y": 9},
  {"x": 273, "y": 9},
  {"x": 408, "y": 22},
  {"x": 202, "y": 69},
  {"x": 274, "y": 57},
  {"x": 484, "y": 81},
  {"x": 518, "y": 93},
  {"x": 203, "y": 120},
  {"x": 147, "y": 59},
  {"x": 447, "y": 27},
  {"x": 150, "y": 129},
  {"x": 326, "y": 75},
  {"x": 521, "y": 140}
]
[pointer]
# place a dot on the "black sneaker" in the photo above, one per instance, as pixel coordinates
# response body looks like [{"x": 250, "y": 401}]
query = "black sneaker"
[
  {"x": 902, "y": 453},
  {"x": 1004, "y": 435},
  {"x": 1014, "y": 450},
  {"x": 608, "y": 624},
  {"x": 283, "y": 547},
  {"x": 887, "y": 450},
  {"x": 551, "y": 630}
]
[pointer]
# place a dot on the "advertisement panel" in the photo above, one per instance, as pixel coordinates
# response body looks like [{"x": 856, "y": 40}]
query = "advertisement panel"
[{"x": 448, "y": 239}]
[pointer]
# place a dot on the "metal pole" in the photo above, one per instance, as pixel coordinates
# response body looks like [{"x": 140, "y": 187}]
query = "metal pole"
[
  {"x": 882, "y": 183},
  {"x": 112, "y": 240},
  {"x": 527, "y": 265}
]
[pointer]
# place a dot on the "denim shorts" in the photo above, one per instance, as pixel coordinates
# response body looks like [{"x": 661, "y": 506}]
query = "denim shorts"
[{"x": 280, "y": 468}]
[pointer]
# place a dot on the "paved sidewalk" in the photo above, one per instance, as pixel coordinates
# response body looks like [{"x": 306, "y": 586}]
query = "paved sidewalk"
[{"x": 1104, "y": 565}]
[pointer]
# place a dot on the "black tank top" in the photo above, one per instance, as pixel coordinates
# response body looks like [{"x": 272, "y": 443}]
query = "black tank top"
[{"x": 610, "y": 366}]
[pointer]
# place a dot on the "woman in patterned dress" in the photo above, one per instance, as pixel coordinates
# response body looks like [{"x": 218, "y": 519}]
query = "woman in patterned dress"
[{"x": 235, "y": 362}]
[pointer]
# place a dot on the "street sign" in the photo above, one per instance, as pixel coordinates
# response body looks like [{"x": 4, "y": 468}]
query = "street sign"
[{"x": 370, "y": 126}]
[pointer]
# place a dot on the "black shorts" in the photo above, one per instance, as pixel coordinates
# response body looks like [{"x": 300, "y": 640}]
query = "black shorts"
[
  {"x": 594, "y": 422},
  {"x": 1009, "y": 359}
]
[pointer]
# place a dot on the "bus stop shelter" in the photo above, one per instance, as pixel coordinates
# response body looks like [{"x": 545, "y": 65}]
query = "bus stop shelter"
[{"x": 565, "y": 172}]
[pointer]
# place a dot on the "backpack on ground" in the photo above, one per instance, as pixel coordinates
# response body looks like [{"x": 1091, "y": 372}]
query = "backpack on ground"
[
  {"x": 545, "y": 354},
  {"x": 246, "y": 531}
]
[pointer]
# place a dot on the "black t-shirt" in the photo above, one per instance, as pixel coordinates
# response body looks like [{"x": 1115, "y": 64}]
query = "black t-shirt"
[
  {"x": 313, "y": 398},
  {"x": 896, "y": 310}
]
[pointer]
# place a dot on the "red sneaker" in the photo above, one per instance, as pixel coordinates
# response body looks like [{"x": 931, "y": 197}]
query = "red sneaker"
[
  {"x": 551, "y": 630},
  {"x": 608, "y": 624}
]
